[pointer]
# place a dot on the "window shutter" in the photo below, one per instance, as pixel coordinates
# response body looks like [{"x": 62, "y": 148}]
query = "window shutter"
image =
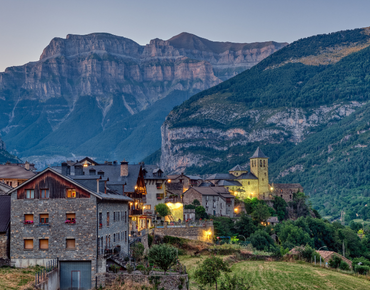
[
  {"x": 71, "y": 215},
  {"x": 44, "y": 244},
  {"x": 28, "y": 244},
  {"x": 28, "y": 217},
  {"x": 71, "y": 243}
]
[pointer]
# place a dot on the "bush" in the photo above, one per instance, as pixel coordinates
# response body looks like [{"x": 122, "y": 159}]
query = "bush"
[
  {"x": 344, "y": 266},
  {"x": 361, "y": 269},
  {"x": 262, "y": 241},
  {"x": 234, "y": 283},
  {"x": 210, "y": 270},
  {"x": 163, "y": 256},
  {"x": 129, "y": 268},
  {"x": 137, "y": 251},
  {"x": 334, "y": 262}
]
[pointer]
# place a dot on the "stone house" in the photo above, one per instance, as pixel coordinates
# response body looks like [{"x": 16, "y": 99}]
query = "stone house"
[
  {"x": 286, "y": 190},
  {"x": 179, "y": 183},
  {"x": 327, "y": 255},
  {"x": 120, "y": 177},
  {"x": 217, "y": 201},
  {"x": 14, "y": 174},
  {"x": 4, "y": 226},
  {"x": 81, "y": 222},
  {"x": 155, "y": 182}
]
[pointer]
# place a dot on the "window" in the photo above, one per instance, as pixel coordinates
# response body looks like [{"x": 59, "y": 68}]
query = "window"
[
  {"x": 28, "y": 244},
  {"x": 114, "y": 216},
  {"x": 249, "y": 183},
  {"x": 44, "y": 218},
  {"x": 44, "y": 193},
  {"x": 114, "y": 238},
  {"x": 70, "y": 243},
  {"x": 260, "y": 163},
  {"x": 30, "y": 193},
  {"x": 44, "y": 244},
  {"x": 107, "y": 219},
  {"x": 159, "y": 185},
  {"x": 70, "y": 218},
  {"x": 125, "y": 236},
  {"x": 281, "y": 196},
  {"x": 28, "y": 218},
  {"x": 290, "y": 196},
  {"x": 71, "y": 193},
  {"x": 100, "y": 220},
  {"x": 125, "y": 216},
  {"x": 148, "y": 206},
  {"x": 264, "y": 164}
]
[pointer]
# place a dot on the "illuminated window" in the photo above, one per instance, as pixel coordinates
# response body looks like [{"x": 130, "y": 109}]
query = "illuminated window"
[
  {"x": 100, "y": 220},
  {"x": 71, "y": 193},
  {"x": 28, "y": 244},
  {"x": 107, "y": 219},
  {"x": 70, "y": 243},
  {"x": 30, "y": 193},
  {"x": 44, "y": 244},
  {"x": 28, "y": 218},
  {"x": 44, "y": 218},
  {"x": 44, "y": 193},
  {"x": 148, "y": 206}
]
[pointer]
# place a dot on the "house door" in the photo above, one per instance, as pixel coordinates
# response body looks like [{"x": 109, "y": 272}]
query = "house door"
[{"x": 75, "y": 275}]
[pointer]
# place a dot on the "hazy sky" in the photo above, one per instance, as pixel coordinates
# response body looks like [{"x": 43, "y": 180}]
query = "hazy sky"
[{"x": 27, "y": 26}]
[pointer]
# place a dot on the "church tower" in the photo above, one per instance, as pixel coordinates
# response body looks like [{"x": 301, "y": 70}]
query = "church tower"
[{"x": 259, "y": 167}]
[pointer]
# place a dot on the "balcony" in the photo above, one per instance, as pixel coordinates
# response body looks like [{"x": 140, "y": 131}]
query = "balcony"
[
  {"x": 173, "y": 199},
  {"x": 136, "y": 212},
  {"x": 160, "y": 196}
]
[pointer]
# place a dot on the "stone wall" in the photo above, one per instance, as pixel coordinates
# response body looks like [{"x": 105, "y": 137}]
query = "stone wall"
[
  {"x": 203, "y": 232},
  {"x": 118, "y": 228},
  {"x": 167, "y": 282},
  {"x": 57, "y": 231},
  {"x": 4, "y": 243}
]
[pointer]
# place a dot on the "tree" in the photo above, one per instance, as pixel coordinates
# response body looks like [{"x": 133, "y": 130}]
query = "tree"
[
  {"x": 291, "y": 236},
  {"x": 261, "y": 213},
  {"x": 163, "y": 256},
  {"x": 280, "y": 206},
  {"x": 162, "y": 209},
  {"x": 245, "y": 226},
  {"x": 200, "y": 212},
  {"x": 210, "y": 270},
  {"x": 262, "y": 241},
  {"x": 196, "y": 202},
  {"x": 137, "y": 251},
  {"x": 224, "y": 226}
]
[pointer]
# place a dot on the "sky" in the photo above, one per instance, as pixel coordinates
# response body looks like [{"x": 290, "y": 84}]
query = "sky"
[{"x": 27, "y": 26}]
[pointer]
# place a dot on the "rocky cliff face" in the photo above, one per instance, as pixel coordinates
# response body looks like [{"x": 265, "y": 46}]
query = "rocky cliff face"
[
  {"x": 85, "y": 90},
  {"x": 272, "y": 126}
]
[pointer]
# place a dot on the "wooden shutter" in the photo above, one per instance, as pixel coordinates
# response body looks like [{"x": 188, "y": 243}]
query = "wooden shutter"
[
  {"x": 44, "y": 244},
  {"x": 28, "y": 217},
  {"x": 28, "y": 244},
  {"x": 71, "y": 215},
  {"x": 71, "y": 243}
]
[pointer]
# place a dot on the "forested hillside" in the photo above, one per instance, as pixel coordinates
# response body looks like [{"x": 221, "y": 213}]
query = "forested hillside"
[{"x": 306, "y": 106}]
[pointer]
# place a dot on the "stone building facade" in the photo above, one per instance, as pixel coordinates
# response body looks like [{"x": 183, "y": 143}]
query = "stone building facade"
[
  {"x": 4, "y": 226},
  {"x": 217, "y": 201},
  {"x": 53, "y": 216}
]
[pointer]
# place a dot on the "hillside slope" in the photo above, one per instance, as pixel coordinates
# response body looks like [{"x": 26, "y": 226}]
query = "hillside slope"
[
  {"x": 290, "y": 103},
  {"x": 106, "y": 96}
]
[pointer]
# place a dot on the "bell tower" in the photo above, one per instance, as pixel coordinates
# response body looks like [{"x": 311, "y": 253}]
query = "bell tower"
[{"x": 259, "y": 167}]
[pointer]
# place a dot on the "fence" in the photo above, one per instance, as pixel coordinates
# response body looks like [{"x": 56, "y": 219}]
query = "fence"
[{"x": 41, "y": 276}]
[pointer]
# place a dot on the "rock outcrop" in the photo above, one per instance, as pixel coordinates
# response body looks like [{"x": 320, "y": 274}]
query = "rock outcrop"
[{"x": 92, "y": 85}]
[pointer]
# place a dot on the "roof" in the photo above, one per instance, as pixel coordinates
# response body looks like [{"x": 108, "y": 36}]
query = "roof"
[
  {"x": 219, "y": 176},
  {"x": 259, "y": 154},
  {"x": 4, "y": 212},
  {"x": 4, "y": 188},
  {"x": 211, "y": 190},
  {"x": 248, "y": 175},
  {"x": 273, "y": 219},
  {"x": 228, "y": 183},
  {"x": 194, "y": 177},
  {"x": 15, "y": 172},
  {"x": 205, "y": 183},
  {"x": 237, "y": 168},
  {"x": 100, "y": 195},
  {"x": 151, "y": 170}
]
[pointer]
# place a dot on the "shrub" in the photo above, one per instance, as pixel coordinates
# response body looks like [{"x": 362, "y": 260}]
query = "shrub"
[
  {"x": 234, "y": 283},
  {"x": 262, "y": 241},
  {"x": 344, "y": 266},
  {"x": 164, "y": 256},
  {"x": 137, "y": 251},
  {"x": 129, "y": 268},
  {"x": 210, "y": 270},
  {"x": 361, "y": 269},
  {"x": 334, "y": 262}
]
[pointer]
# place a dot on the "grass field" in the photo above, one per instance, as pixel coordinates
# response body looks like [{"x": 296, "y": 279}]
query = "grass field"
[
  {"x": 17, "y": 279},
  {"x": 284, "y": 275}
]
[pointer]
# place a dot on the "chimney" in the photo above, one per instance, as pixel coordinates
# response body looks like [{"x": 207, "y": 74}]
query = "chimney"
[
  {"x": 124, "y": 168},
  {"x": 79, "y": 169},
  {"x": 66, "y": 170},
  {"x": 27, "y": 165}
]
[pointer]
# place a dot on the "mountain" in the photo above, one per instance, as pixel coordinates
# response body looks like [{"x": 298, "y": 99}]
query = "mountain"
[
  {"x": 106, "y": 96},
  {"x": 306, "y": 106},
  {"x": 5, "y": 156}
]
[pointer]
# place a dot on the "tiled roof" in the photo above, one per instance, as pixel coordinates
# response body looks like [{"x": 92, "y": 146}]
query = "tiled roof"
[
  {"x": 259, "y": 154},
  {"x": 237, "y": 168},
  {"x": 4, "y": 212},
  {"x": 219, "y": 176},
  {"x": 151, "y": 170},
  {"x": 211, "y": 190},
  {"x": 248, "y": 175},
  {"x": 228, "y": 183},
  {"x": 16, "y": 172}
]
